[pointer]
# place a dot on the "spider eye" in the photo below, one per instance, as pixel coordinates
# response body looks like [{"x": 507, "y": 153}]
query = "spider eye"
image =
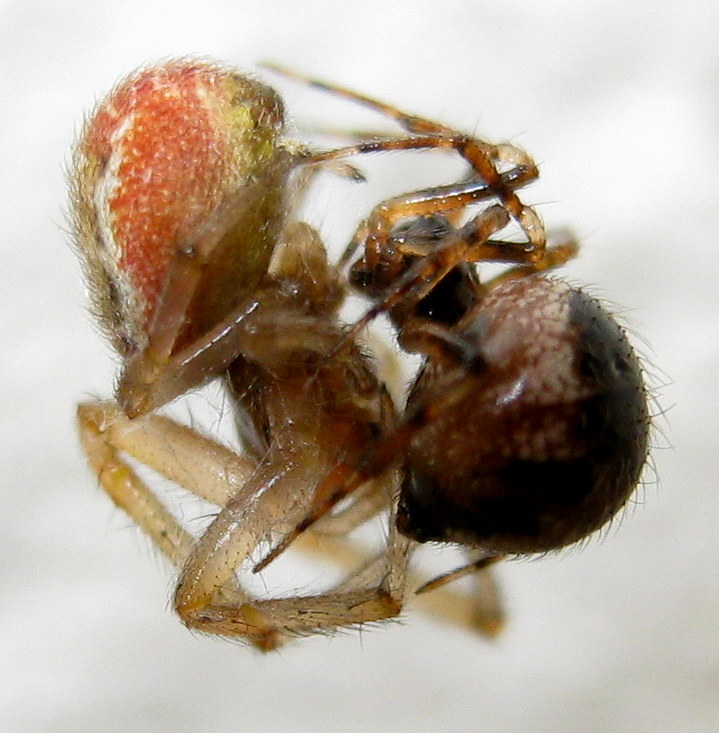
[{"x": 551, "y": 439}]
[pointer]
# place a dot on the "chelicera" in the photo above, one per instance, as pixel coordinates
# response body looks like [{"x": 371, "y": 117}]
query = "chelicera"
[{"x": 183, "y": 191}]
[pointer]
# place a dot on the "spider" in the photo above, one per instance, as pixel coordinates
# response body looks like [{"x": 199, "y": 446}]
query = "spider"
[
  {"x": 527, "y": 426},
  {"x": 183, "y": 189}
]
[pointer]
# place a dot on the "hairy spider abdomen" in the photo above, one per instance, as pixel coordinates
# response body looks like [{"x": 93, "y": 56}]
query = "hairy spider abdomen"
[
  {"x": 182, "y": 161},
  {"x": 550, "y": 441}
]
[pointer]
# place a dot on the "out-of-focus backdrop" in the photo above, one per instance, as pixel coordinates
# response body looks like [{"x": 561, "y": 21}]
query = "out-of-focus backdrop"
[{"x": 620, "y": 105}]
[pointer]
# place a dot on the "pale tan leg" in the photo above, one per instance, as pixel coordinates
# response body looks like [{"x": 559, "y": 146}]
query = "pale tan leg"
[
  {"x": 124, "y": 486},
  {"x": 237, "y": 531},
  {"x": 208, "y": 595},
  {"x": 181, "y": 454},
  {"x": 477, "y": 610},
  {"x": 367, "y": 502}
]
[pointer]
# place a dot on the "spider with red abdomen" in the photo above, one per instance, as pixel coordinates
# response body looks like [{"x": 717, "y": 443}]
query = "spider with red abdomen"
[{"x": 524, "y": 430}]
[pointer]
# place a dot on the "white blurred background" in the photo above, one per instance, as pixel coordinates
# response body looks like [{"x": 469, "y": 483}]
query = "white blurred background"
[{"x": 620, "y": 107}]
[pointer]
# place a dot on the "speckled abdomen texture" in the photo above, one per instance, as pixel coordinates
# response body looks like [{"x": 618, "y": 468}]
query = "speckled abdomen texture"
[{"x": 548, "y": 444}]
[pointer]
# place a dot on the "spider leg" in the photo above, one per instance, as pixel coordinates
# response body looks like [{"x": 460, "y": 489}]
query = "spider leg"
[
  {"x": 412, "y": 123},
  {"x": 209, "y": 596},
  {"x": 469, "y": 243},
  {"x": 173, "y": 450},
  {"x": 230, "y": 540},
  {"x": 483, "y": 561},
  {"x": 483, "y": 158},
  {"x": 374, "y": 233},
  {"x": 560, "y": 249},
  {"x": 479, "y": 609},
  {"x": 101, "y": 433}
]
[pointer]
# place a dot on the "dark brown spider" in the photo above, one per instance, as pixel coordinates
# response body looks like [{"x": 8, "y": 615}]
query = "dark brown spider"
[{"x": 526, "y": 428}]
